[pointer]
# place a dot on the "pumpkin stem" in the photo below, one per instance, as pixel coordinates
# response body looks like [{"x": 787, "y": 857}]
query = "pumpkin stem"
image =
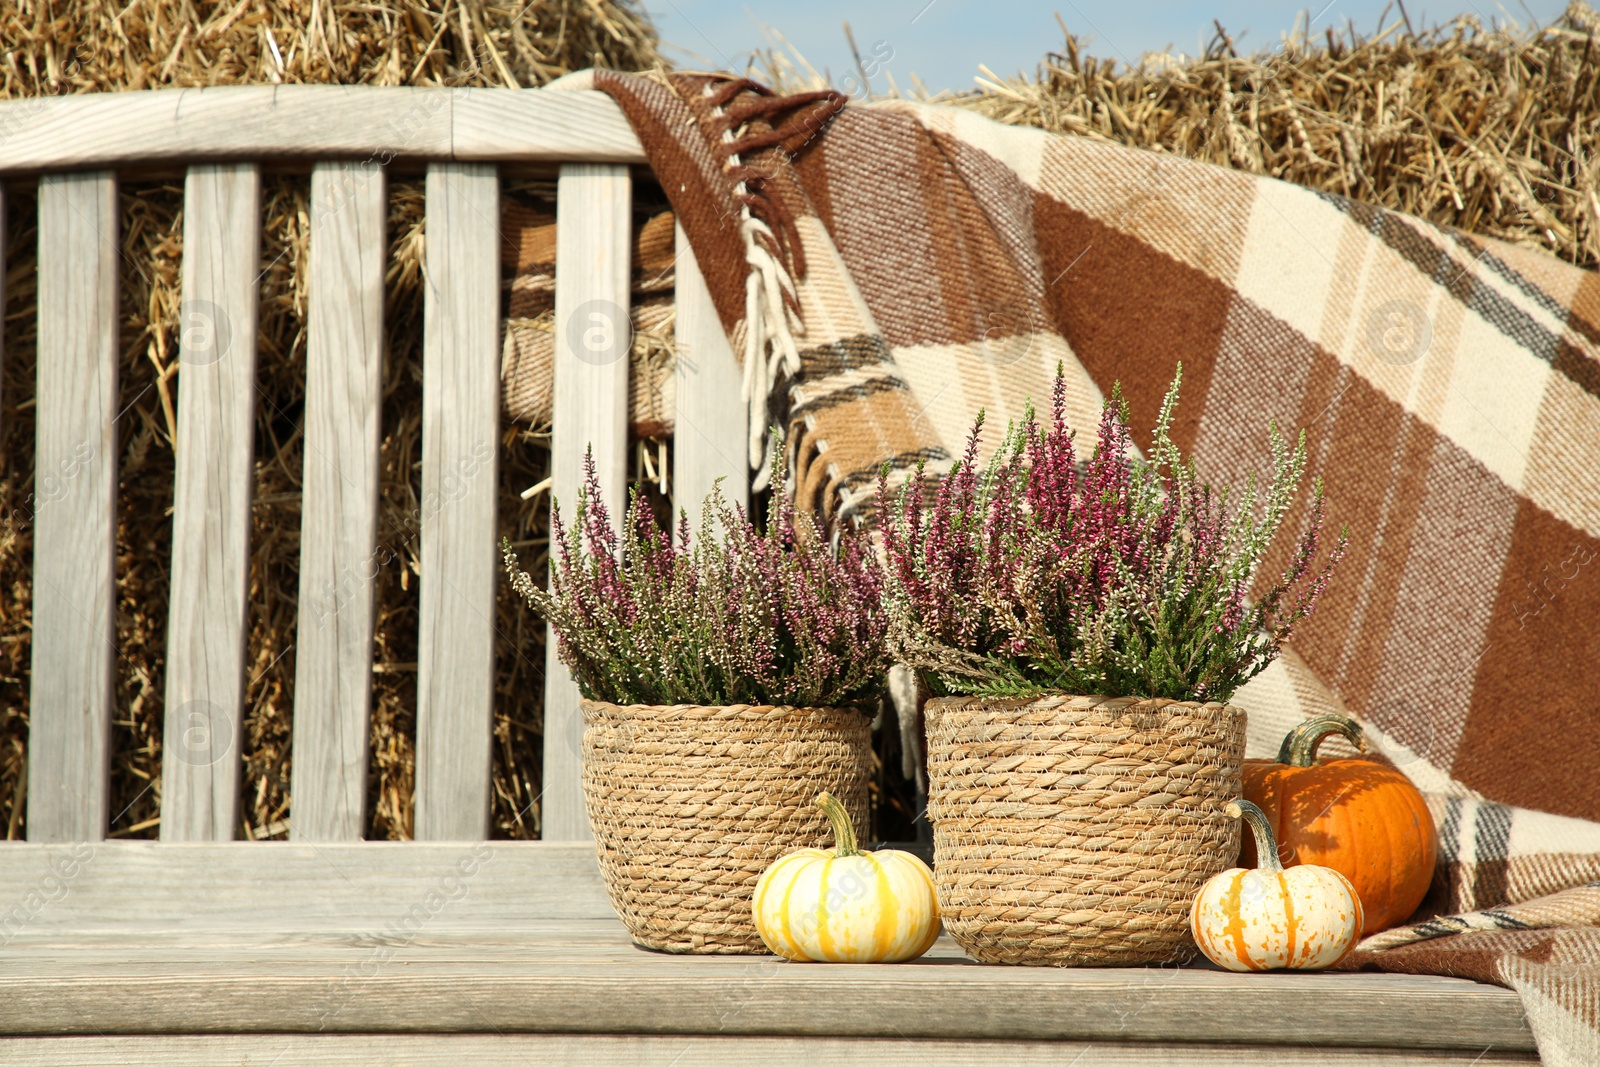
[
  {"x": 1300, "y": 747},
  {"x": 844, "y": 831},
  {"x": 1266, "y": 843}
]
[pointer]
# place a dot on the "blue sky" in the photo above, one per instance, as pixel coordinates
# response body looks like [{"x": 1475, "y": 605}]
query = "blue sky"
[{"x": 944, "y": 41}]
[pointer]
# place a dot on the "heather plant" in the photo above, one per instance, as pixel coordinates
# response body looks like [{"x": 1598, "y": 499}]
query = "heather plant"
[
  {"x": 732, "y": 615},
  {"x": 1119, "y": 577}
]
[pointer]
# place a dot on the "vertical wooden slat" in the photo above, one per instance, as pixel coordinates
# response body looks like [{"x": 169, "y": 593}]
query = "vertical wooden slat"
[
  {"x": 460, "y": 428},
  {"x": 339, "y": 558},
  {"x": 712, "y": 437},
  {"x": 593, "y": 336},
  {"x": 74, "y": 531},
  {"x": 211, "y": 503}
]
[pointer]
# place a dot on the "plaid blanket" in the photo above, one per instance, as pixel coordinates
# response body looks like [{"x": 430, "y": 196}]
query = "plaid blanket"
[
  {"x": 527, "y": 360},
  {"x": 887, "y": 270}
]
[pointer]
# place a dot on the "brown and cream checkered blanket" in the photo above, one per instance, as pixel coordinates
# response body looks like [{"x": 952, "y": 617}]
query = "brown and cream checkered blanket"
[
  {"x": 887, "y": 270},
  {"x": 527, "y": 362}
]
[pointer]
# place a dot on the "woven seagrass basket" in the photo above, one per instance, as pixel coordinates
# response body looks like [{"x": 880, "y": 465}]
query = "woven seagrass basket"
[
  {"x": 690, "y": 804},
  {"x": 1074, "y": 831}
]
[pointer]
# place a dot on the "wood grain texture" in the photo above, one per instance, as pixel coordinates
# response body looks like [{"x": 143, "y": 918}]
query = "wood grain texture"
[
  {"x": 712, "y": 438},
  {"x": 593, "y": 338},
  {"x": 257, "y": 888},
  {"x": 516, "y": 125},
  {"x": 460, "y": 430},
  {"x": 507, "y": 937},
  {"x": 211, "y": 503},
  {"x": 339, "y": 556},
  {"x": 74, "y": 502},
  {"x": 452, "y": 940},
  {"x": 521, "y": 1050},
  {"x": 404, "y": 970},
  {"x": 188, "y": 126}
]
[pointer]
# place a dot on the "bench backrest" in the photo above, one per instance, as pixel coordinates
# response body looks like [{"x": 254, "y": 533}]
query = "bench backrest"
[{"x": 348, "y": 137}]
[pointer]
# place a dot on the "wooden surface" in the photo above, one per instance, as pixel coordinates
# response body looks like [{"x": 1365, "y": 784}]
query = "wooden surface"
[
  {"x": 645, "y": 1050},
  {"x": 712, "y": 438},
  {"x": 593, "y": 333},
  {"x": 260, "y": 123},
  {"x": 460, "y": 560},
  {"x": 517, "y": 937},
  {"x": 339, "y": 553},
  {"x": 211, "y": 503},
  {"x": 391, "y": 983},
  {"x": 515, "y": 125},
  {"x": 269, "y": 886},
  {"x": 73, "y": 505},
  {"x": 581, "y": 976}
]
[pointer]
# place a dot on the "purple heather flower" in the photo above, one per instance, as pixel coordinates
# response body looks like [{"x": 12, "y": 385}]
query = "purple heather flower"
[
  {"x": 1125, "y": 577},
  {"x": 731, "y": 614}
]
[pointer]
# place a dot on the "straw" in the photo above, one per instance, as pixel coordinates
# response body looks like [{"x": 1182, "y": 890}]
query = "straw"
[{"x": 1489, "y": 130}]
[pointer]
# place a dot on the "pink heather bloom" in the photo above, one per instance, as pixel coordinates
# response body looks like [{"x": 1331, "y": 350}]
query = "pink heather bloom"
[
  {"x": 733, "y": 614},
  {"x": 1123, "y": 577}
]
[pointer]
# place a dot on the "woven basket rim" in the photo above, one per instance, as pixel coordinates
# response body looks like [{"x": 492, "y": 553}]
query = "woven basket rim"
[
  {"x": 722, "y": 711},
  {"x": 1080, "y": 700}
]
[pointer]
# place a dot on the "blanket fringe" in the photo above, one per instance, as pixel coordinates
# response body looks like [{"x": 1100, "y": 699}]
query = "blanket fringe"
[
  {"x": 769, "y": 343},
  {"x": 772, "y": 321}
]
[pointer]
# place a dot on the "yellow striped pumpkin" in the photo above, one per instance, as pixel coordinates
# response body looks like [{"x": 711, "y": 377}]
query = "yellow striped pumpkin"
[
  {"x": 843, "y": 905},
  {"x": 1304, "y": 918}
]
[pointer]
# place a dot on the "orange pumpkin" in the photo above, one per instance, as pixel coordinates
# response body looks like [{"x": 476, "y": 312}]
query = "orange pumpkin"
[{"x": 1362, "y": 818}]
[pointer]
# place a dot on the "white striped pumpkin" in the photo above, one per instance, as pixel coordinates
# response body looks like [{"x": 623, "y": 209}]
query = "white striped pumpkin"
[
  {"x": 1304, "y": 918},
  {"x": 843, "y": 905}
]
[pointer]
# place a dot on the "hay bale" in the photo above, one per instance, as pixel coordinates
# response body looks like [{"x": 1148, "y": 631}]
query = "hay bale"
[
  {"x": 98, "y": 45},
  {"x": 88, "y": 46},
  {"x": 1492, "y": 131}
]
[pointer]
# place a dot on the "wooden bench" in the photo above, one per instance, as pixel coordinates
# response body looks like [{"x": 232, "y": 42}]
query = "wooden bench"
[{"x": 329, "y": 950}]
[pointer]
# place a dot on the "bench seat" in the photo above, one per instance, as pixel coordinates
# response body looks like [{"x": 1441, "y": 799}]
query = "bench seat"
[{"x": 521, "y": 961}]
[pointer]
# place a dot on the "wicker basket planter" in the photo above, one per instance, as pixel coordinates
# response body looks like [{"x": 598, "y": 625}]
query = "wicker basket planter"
[
  {"x": 690, "y": 804},
  {"x": 1074, "y": 831}
]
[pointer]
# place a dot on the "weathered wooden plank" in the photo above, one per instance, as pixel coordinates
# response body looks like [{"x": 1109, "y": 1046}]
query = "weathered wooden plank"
[
  {"x": 460, "y": 430},
  {"x": 260, "y": 887},
  {"x": 712, "y": 438},
  {"x": 519, "y": 1050},
  {"x": 387, "y": 981},
  {"x": 339, "y": 557},
  {"x": 527, "y": 125},
  {"x": 459, "y": 939},
  {"x": 74, "y": 528},
  {"x": 593, "y": 340},
  {"x": 211, "y": 503},
  {"x": 187, "y": 126},
  {"x": 458, "y": 944}
]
